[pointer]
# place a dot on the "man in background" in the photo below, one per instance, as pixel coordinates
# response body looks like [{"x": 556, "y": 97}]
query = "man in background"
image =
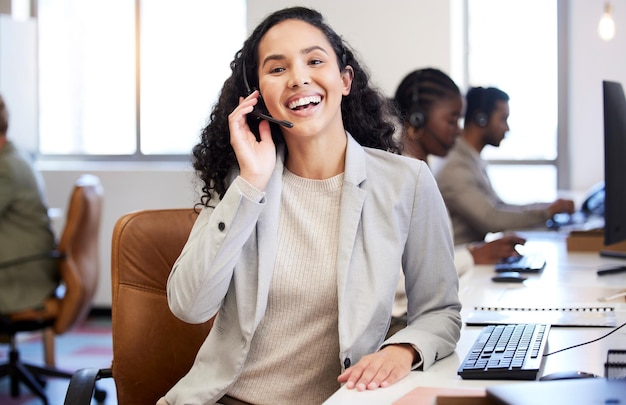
[
  {"x": 475, "y": 208},
  {"x": 25, "y": 230}
]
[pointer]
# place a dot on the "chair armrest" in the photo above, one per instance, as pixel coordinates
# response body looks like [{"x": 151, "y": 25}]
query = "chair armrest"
[
  {"x": 82, "y": 385},
  {"x": 54, "y": 254}
]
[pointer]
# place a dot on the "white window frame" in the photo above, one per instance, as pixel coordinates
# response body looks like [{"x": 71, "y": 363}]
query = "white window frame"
[{"x": 222, "y": 71}]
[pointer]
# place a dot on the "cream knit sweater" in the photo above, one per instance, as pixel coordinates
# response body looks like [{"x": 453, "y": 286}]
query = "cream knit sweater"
[{"x": 294, "y": 357}]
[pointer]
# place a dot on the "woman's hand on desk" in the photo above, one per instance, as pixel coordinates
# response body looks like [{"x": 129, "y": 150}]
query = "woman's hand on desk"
[{"x": 380, "y": 369}]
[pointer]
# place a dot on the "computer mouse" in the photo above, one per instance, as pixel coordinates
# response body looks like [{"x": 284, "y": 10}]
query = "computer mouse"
[
  {"x": 567, "y": 375},
  {"x": 509, "y": 277}
]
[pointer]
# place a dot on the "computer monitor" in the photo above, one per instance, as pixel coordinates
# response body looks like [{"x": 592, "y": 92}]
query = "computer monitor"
[{"x": 614, "y": 163}]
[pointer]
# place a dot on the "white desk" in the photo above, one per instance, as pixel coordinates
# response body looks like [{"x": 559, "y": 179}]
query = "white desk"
[{"x": 568, "y": 279}]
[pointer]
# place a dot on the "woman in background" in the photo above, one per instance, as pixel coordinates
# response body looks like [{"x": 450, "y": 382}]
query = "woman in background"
[{"x": 430, "y": 106}]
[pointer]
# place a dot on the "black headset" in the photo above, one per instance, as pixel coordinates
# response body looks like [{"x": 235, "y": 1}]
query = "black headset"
[
  {"x": 249, "y": 90},
  {"x": 416, "y": 115},
  {"x": 480, "y": 117}
]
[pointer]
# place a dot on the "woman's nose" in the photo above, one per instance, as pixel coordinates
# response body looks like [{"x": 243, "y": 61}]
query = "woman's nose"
[{"x": 299, "y": 77}]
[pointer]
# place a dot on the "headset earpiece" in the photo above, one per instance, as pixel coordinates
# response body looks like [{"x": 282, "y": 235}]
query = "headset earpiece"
[
  {"x": 481, "y": 119},
  {"x": 417, "y": 118}
]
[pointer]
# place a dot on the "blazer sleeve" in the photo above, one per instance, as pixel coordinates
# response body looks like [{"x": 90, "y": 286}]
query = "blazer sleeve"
[
  {"x": 431, "y": 281},
  {"x": 202, "y": 273}
]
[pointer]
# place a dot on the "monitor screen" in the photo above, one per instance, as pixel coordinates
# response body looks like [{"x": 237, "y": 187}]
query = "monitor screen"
[{"x": 614, "y": 162}]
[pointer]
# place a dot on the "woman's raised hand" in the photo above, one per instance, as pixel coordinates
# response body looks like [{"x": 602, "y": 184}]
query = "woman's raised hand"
[{"x": 257, "y": 159}]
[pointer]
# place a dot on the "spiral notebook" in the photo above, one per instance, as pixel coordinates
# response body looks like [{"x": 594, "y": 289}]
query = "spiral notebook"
[{"x": 556, "y": 316}]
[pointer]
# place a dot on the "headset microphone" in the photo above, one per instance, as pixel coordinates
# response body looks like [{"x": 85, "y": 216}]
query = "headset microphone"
[
  {"x": 256, "y": 113},
  {"x": 259, "y": 115}
]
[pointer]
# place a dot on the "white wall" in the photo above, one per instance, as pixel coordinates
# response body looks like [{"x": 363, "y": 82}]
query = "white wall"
[
  {"x": 392, "y": 37},
  {"x": 388, "y": 35},
  {"x": 591, "y": 60}
]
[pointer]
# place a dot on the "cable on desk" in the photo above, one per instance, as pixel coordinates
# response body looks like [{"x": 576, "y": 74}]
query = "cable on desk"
[{"x": 586, "y": 343}]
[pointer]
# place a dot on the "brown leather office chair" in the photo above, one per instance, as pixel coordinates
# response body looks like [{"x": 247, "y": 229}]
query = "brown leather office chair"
[
  {"x": 77, "y": 255},
  {"x": 152, "y": 349}
]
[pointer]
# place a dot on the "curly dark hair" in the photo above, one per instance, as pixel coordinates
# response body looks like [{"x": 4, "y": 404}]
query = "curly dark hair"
[{"x": 367, "y": 114}]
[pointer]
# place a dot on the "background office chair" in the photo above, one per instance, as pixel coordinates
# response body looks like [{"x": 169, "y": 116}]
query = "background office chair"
[
  {"x": 152, "y": 349},
  {"x": 77, "y": 255}
]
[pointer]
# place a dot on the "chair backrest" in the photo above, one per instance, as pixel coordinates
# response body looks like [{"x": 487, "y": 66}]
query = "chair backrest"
[
  {"x": 78, "y": 244},
  {"x": 152, "y": 349}
]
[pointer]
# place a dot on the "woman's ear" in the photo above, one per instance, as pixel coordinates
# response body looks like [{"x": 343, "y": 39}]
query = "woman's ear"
[
  {"x": 412, "y": 132},
  {"x": 347, "y": 74}
]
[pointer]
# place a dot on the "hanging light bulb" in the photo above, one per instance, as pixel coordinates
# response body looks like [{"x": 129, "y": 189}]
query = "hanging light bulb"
[{"x": 606, "y": 27}]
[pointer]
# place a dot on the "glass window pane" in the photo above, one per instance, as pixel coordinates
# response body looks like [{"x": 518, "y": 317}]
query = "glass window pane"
[
  {"x": 513, "y": 46},
  {"x": 87, "y": 77},
  {"x": 186, "y": 50},
  {"x": 524, "y": 184},
  {"x": 88, "y": 70}
]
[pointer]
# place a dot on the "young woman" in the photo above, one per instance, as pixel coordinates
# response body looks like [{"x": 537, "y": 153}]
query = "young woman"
[{"x": 302, "y": 229}]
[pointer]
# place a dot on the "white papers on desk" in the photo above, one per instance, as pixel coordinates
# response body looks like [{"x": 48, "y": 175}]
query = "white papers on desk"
[{"x": 568, "y": 316}]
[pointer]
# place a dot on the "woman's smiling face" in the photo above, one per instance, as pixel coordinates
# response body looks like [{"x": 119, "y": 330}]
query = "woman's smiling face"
[{"x": 299, "y": 77}]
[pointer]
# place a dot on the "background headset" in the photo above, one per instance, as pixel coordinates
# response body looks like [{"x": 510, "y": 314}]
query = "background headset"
[
  {"x": 416, "y": 115},
  {"x": 481, "y": 118}
]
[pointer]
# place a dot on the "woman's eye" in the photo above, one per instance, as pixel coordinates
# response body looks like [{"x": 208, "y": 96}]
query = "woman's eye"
[
  {"x": 316, "y": 62},
  {"x": 277, "y": 70}
]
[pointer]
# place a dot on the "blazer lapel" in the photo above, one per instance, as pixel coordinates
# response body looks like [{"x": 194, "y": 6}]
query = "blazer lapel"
[
  {"x": 266, "y": 237},
  {"x": 352, "y": 199}
]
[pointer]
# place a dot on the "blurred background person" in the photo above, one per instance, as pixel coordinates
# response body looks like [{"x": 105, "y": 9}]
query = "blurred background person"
[
  {"x": 25, "y": 230},
  {"x": 430, "y": 105},
  {"x": 475, "y": 208}
]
